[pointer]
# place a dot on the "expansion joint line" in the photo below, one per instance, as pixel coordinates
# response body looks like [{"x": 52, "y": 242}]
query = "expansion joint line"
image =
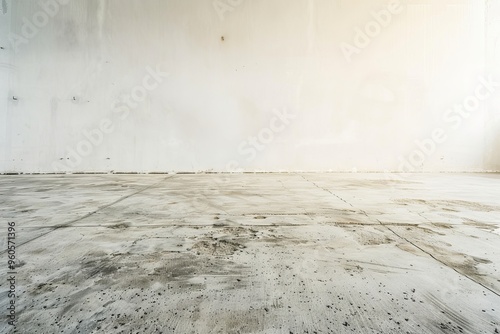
[
  {"x": 327, "y": 190},
  {"x": 421, "y": 215},
  {"x": 438, "y": 260},
  {"x": 411, "y": 242},
  {"x": 90, "y": 213}
]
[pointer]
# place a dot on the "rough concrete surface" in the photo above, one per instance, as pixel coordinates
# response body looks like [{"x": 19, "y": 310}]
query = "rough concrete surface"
[{"x": 253, "y": 253}]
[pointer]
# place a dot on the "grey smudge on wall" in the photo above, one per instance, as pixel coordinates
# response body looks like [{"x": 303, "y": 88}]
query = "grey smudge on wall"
[{"x": 4, "y": 7}]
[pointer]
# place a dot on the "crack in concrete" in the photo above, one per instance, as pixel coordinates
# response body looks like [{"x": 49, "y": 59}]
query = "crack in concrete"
[
  {"x": 420, "y": 214},
  {"x": 413, "y": 243},
  {"x": 440, "y": 261},
  {"x": 327, "y": 190},
  {"x": 89, "y": 214}
]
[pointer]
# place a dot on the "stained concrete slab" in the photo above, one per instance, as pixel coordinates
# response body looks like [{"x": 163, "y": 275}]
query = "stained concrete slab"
[{"x": 254, "y": 253}]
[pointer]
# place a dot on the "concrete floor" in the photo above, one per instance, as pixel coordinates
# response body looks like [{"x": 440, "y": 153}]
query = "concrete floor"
[{"x": 254, "y": 253}]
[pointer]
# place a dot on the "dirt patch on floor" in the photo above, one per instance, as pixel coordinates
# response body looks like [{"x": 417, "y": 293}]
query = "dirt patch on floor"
[
  {"x": 216, "y": 247},
  {"x": 42, "y": 288},
  {"x": 119, "y": 226},
  {"x": 369, "y": 235},
  {"x": 461, "y": 262},
  {"x": 483, "y": 226},
  {"x": 450, "y": 205},
  {"x": 456, "y": 323},
  {"x": 443, "y": 225},
  {"x": 377, "y": 184},
  {"x": 99, "y": 267}
]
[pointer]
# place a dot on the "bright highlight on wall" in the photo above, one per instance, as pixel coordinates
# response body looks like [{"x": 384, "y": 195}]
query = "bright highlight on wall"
[{"x": 240, "y": 85}]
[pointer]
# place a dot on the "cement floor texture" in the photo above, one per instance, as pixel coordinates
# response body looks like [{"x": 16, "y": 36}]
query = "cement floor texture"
[{"x": 252, "y": 253}]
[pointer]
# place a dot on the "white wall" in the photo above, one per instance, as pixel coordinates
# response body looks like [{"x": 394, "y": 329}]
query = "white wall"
[
  {"x": 231, "y": 68},
  {"x": 492, "y": 130},
  {"x": 6, "y": 68}
]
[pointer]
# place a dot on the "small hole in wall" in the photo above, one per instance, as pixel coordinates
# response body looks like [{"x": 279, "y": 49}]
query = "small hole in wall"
[{"x": 222, "y": 38}]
